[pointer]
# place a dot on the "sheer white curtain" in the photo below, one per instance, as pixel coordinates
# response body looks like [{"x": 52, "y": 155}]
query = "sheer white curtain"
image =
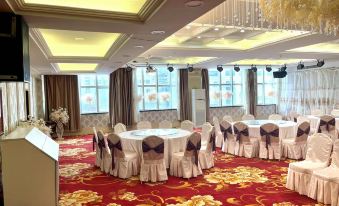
[{"x": 303, "y": 91}]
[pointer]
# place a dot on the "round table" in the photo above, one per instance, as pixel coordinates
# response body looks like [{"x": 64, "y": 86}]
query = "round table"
[
  {"x": 287, "y": 129},
  {"x": 174, "y": 139},
  {"x": 315, "y": 120}
]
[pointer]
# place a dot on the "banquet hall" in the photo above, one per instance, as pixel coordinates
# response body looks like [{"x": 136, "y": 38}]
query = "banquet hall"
[{"x": 166, "y": 102}]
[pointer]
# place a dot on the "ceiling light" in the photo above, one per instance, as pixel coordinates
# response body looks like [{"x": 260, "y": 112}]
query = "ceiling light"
[
  {"x": 236, "y": 68},
  {"x": 219, "y": 68},
  {"x": 320, "y": 63},
  {"x": 199, "y": 37},
  {"x": 77, "y": 67},
  {"x": 188, "y": 27},
  {"x": 139, "y": 46},
  {"x": 254, "y": 68},
  {"x": 300, "y": 65},
  {"x": 190, "y": 68},
  {"x": 242, "y": 30},
  {"x": 129, "y": 68},
  {"x": 194, "y": 3},
  {"x": 158, "y": 32},
  {"x": 79, "y": 38},
  {"x": 170, "y": 68},
  {"x": 216, "y": 29},
  {"x": 268, "y": 68}
]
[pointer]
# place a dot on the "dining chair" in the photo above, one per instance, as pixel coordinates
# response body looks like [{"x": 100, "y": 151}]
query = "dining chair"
[
  {"x": 275, "y": 117},
  {"x": 187, "y": 125},
  {"x": 96, "y": 148},
  {"x": 327, "y": 126},
  {"x": 119, "y": 127},
  {"x": 206, "y": 157},
  {"x": 228, "y": 137},
  {"x": 165, "y": 124},
  {"x": 245, "y": 146},
  {"x": 269, "y": 145},
  {"x": 144, "y": 125},
  {"x": 219, "y": 138},
  {"x": 228, "y": 118},
  {"x": 317, "y": 112},
  {"x": 247, "y": 117},
  {"x": 206, "y": 129}
]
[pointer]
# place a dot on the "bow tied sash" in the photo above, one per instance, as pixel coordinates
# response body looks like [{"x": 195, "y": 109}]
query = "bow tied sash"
[
  {"x": 94, "y": 142},
  {"x": 112, "y": 147},
  {"x": 195, "y": 149},
  {"x": 268, "y": 135},
  {"x": 212, "y": 140},
  {"x": 239, "y": 133},
  {"x": 158, "y": 149},
  {"x": 326, "y": 124},
  {"x": 301, "y": 132},
  {"x": 225, "y": 131},
  {"x": 101, "y": 144}
]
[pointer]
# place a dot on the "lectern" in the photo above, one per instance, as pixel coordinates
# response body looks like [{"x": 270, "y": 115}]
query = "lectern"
[{"x": 29, "y": 168}]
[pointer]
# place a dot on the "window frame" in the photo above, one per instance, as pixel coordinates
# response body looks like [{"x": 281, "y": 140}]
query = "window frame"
[{"x": 97, "y": 87}]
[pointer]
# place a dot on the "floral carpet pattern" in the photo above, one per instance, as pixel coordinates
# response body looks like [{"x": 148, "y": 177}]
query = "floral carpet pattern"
[{"x": 233, "y": 181}]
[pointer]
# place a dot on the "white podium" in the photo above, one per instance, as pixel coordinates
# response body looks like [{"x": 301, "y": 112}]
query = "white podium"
[{"x": 30, "y": 173}]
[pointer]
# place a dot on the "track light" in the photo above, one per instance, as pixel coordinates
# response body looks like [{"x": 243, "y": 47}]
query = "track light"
[
  {"x": 320, "y": 63},
  {"x": 150, "y": 69},
  {"x": 170, "y": 68},
  {"x": 190, "y": 68},
  {"x": 268, "y": 68},
  {"x": 129, "y": 68},
  {"x": 283, "y": 68},
  {"x": 254, "y": 68},
  {"x": 300, "y": 65},
  {"x": 219, "y": 68},
  {"x": 236, "y": 68}
]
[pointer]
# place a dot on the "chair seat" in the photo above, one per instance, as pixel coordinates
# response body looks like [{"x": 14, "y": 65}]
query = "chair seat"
[
  {"x": 288, "y": 141},
  {"x": 178, "y": 154},
  {"x": 306, "y": 166},
  {"x": 329, "y": 173},
  {"x": 130, "y": 155}
]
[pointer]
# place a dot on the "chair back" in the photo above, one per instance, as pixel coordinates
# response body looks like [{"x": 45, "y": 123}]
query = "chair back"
[
  {"x": 226, "y": 130},
  {"x": 101, "y": 142},
  {"x": 211, "y": 140},
  {"x": 335, "y": 154},
  {"x": 228, "y": 118},
  {"x": 269, "y": 133},
  {"x": 327, "y": 123},
  {"x": 319, "y": 148},
  {"x": 302, "y": 119},
  {"x": 293, "y": 116},
  {"x": 120, "y": 127},
  {"x": 193, "y": 146},
  {"x": 187, "y": 125},
  {"x": 335, "y": 112},
  {"x": 247, "y": 117},
  {"x": 95, "y": 137},
  {"x": 114, "y": 144},
  {"x": 206, "y": 131},
  {"x": 303, "y": 132},
  {"x": 165, "y": 124},
  {"x": 216, "y": 124},
  {"x": 275, "y": 117},
  {"x": 153, "y": 148},
  {"x": 317, "y": 112},
  {"x": 144, "y": 125},
  {"x": 241, "y": 132}
]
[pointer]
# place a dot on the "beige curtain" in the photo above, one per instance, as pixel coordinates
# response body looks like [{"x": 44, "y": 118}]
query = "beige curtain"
[
  {"x": 62, "y": 91},
  {"x": 121, "y": 97},
  {"x": 205, "y": 85},
  {"x": 252, "y": 92},
  {"x": 184, "y": 99}
]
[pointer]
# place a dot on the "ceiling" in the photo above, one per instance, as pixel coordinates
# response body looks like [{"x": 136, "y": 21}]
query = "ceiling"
[{"x": 67, "y": 37}]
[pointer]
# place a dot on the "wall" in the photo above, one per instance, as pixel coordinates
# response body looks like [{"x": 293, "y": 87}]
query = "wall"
[
  {"x": 235, "y": 112},
  {"x": 263, "y": 111}
]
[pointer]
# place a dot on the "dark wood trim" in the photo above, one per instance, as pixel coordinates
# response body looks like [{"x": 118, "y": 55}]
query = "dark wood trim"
[{"x": 1, "y": 114}]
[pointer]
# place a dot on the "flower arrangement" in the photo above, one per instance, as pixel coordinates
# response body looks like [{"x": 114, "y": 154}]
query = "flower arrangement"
[
  {"x": 152, "y": 97},
  {"x": 227, "y": 95},
  {"x": 40, "y": 124},
  {"x": 165, "y": 96},
  {"x": 59, "y": 115}
]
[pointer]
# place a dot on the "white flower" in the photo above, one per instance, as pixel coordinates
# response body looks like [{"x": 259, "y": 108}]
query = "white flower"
[{"x": 60, "y": 114}]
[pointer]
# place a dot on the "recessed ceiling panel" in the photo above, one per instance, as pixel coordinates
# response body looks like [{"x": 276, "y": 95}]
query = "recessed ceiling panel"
[
  {"x": 63, "y": 43},
  {"x": 268, "y": 61},
  {"x": 123, "y": 6},
  {"x": 76, "y": 67},
  {"x": 327, "y": 47}
]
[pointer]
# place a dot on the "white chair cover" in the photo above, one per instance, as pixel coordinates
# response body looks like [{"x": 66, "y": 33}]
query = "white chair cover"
[
  {"x": 270, "y": 147},
  {"x": 219, "y": 137},
  {"x": 144, "y": 125},
  {"x": 96, "y": 148},
  {"x": 317, "y": 157},
  {"x": 227, "y": 118},
  {"x": 317, "y": 112},
  {"x": 186, "y": 164},
  {"x": 292, "y": 116},
  {"x": 153, "y": 166},
  {"x": 187, "y": 125},
  {"x": 301, "y": 119},
  {"x": 104, "y": 152},
  {"x": 327, "y": 126},
  {"x": 205, "y": 132},
  {"x": 247, "y": 117},
  {"x": 120, "y": 127},
  {"x": 324, "y": 184},
  {"x": 124, "y": 164},
  {"x": 245, "y": 146},
  {"x": 296, "y": 148},
  {"x": 335, "y": 112},
  {"x": 165, "y": 124},
  {"x": 206, "y": 157},
  {"x": 275, "y": 117},
  {"x": 228, "y": 137}
]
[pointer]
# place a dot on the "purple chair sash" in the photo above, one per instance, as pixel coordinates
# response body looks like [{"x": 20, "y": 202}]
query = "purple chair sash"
[
  {"x": 212, "y": 140},
  {"x": 268, "y": 135},
  {"x": 327, "y": 124},
  {"x": 112, "y": 147},
  {"x": 94, "y": 142},
  {"x": 226, "y": 131},
  {"x": 239, "y": 133},
  {"x": 191, "y": 147},
  {"x": 301, "y": 132},
  {"x": 158, "y": 149}
]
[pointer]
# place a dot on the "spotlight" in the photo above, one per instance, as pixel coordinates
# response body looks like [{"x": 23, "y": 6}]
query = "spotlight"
[
  {"x": 170, "y": 68},
  {"x": 236, "y": 68},
  {"x": 283, "y": 68},
  {"x": 320, "y": 63},
  {"x": 150, "y": 69},
  {"x": 219, "y": 68},
  {"x": 300, "y": 65},
  {"x": 268, "y": 68},
  {"x": 129, "y": 68},
  {"x": 190, "y": 68},
  {"x": 254, "y": 68}
]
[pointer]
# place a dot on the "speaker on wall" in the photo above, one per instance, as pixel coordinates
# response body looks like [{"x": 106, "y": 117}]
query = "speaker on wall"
[{"x": 14, "y": 49}]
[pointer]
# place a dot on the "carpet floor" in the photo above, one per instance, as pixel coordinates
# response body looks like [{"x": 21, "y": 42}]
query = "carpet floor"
[{"x": 233, "y": 181}]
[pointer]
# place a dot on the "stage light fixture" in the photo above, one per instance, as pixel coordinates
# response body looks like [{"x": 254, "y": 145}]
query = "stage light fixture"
[
  {"x": 170, "y": 68},
  {"x": 190, "y": 68},
  {"x": 236, "y": 68},
  {"x": 268, "y": 68},
  {"x": 283, "y": 68},
  {"x": 129, "y": 68},
  {"x": 150, "y": 69},
  {"x": 254, "y": 68},
  {"x": 320, "y": 63},
  {"x": 219, "y": 68},
  {"x": 300, "y": 65}
]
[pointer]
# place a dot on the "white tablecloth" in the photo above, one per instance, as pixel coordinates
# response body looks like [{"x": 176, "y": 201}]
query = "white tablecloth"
[
  {"x": 174, "y": 139},
  {"x": 287, "y": 129},
  {"x": 315, "y": 120}
]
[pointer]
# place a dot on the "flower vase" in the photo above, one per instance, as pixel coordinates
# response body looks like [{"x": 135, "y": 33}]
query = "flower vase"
[{"x": 59, "y": 130}]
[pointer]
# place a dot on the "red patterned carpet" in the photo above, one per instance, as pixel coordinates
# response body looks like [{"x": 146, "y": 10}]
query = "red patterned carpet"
[{"x": 233, "y": 181}]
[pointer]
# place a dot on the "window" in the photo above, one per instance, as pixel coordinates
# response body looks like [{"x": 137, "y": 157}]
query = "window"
[
  {"x": 267, "y": 87},
  {"x": 158, "y": 90},
  {"x": 226, "y": 88},
  {"x": 93, "y": 93}
]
